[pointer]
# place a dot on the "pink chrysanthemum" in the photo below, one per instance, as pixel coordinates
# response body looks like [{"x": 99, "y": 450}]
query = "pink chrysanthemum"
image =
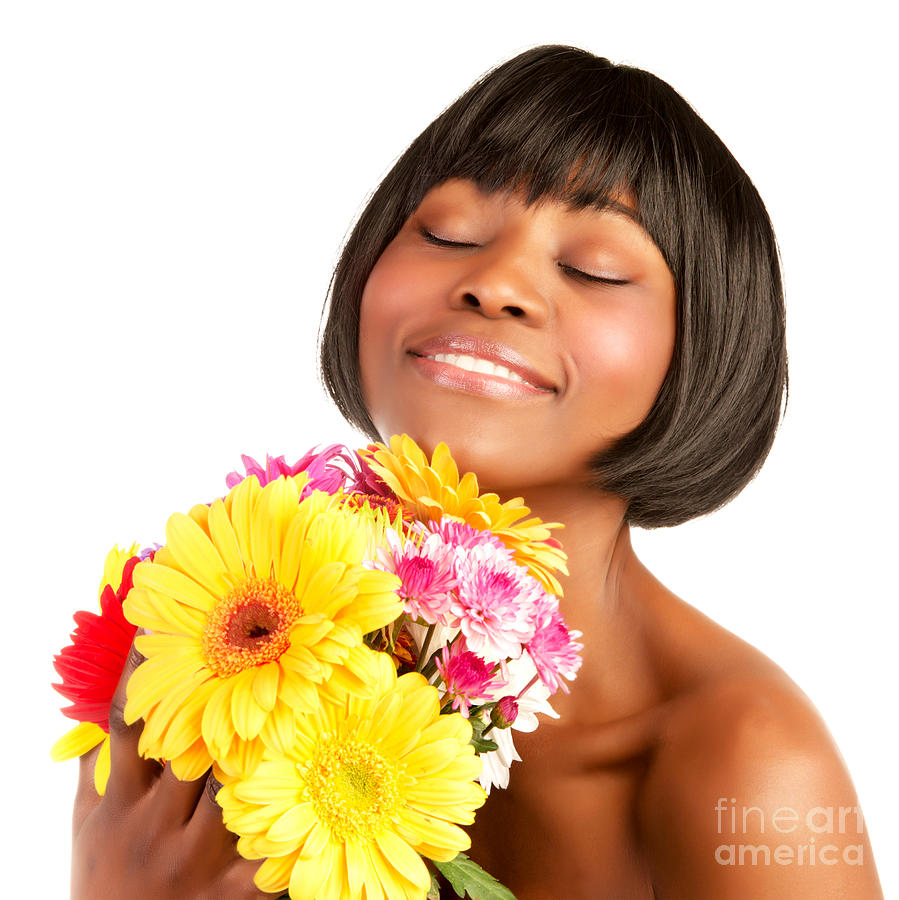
[
  {"x": 329, "y": 469},
  {"x": 553, "y": 648},
  {"x": 461, "y": 535},
  {"x": 426, "y": 570},
  {"x": 493, "y": 602},
  {"x": 468, "y": 678}
]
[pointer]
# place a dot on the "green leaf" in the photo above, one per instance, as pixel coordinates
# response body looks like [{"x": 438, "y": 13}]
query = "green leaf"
[
  {"x": 478, "y": 741},
  {"x": 434, "y": 891},
  {"x": 467, "y": 878},
  {"x": 483, "y": 745}
]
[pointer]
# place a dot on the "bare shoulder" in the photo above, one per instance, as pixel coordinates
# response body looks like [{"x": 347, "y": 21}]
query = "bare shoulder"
[{"x": 746, "y": 795}]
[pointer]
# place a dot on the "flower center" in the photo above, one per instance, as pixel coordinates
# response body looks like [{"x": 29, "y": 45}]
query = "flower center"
[
  {"x": 468, "y": 671},
  {"x": 391, "y": 507},
  {"x": 416, "y": 574},
  {"x": 353, "y": 789},
  {"x": 249, "y": 626}
]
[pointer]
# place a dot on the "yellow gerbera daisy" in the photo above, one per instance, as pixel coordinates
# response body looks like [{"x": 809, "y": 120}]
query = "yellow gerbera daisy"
[
  {"x": 432, "y": 488},
  {"x": 370, "y": 787},
  {"x": 257, "y": 606}
]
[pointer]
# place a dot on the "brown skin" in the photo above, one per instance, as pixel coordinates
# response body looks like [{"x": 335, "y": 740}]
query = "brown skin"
[
  {"x": 602, "y": 349},
  {"x": 150, "y": 835},
  {"x": 670, "y": 712}
]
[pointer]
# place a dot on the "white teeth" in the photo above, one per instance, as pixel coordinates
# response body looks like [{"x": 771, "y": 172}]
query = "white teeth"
[{"x": 476, "y": 364}]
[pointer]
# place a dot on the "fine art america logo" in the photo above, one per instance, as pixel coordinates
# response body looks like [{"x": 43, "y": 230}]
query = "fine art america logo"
[{"x": 827, "y": 835}]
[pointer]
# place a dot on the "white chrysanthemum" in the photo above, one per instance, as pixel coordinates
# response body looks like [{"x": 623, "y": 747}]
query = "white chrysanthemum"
[{"x": 522, "y": 671}]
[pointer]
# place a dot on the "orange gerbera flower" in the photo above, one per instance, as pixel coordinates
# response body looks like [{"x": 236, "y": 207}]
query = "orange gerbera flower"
[{"x": 433, "y": 489}]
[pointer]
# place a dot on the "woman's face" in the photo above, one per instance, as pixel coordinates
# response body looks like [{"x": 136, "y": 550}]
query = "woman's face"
[{"x": 527, "y": 338}]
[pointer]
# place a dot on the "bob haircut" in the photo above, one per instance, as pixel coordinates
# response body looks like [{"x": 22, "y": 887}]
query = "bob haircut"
[{"x": 557, "y": 122}]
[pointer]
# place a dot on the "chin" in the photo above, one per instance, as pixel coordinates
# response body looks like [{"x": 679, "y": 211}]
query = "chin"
[{"x": 505, "y": 462}]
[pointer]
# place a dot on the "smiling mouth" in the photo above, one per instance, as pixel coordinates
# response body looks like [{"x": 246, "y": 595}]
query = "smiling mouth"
[
  {"x": 478, "y": 365},
  {"x": 471, "y": 362},
  {"x": 470, "y": 373}
]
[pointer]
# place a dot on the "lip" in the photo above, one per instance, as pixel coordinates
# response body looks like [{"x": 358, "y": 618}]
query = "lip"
[{"x": 534, "y": 382}]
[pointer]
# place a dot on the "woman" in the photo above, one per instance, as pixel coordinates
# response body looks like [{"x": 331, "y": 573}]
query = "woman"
[{"x": 569, "y": 279}]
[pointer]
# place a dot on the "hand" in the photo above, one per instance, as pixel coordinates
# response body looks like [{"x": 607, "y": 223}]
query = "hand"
[{"x": 151, "y": 836}]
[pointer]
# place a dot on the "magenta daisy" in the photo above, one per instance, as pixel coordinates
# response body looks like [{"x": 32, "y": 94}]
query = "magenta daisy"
[
  {"x": 363, "y": 479},
  {"x": 322, "y": 466},
  {"x": 468, "y": 678},
  {"x": 553, "y": 648},
  {"x": 494, "y": 602}
]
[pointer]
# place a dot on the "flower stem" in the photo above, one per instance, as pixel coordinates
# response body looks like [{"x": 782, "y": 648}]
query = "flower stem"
[
  {"x": 394, "y": 632},
  {"x": 425, "y": 646},
  {"x": 527, "y": 687}
]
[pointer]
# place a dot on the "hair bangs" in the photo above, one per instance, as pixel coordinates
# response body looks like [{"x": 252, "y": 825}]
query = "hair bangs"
[{"x": 579, "y": 136}]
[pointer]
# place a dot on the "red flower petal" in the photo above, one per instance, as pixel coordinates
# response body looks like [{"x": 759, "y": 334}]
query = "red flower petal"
[{"x": 90, "y": 667}]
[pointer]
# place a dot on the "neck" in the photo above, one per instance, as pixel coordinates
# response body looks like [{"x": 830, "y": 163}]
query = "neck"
[
  {"x": 604, "y": 598},
  {"x": 596, "y": 539},
  {"x": 608, "y": 595}
]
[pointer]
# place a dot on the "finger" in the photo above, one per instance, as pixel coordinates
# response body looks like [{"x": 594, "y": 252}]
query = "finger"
[
  {"x": 176, "y": 799},
  {"x": 238, "y": 872},
  {"x": 207, "y": 826},
  {"x": 86, "y": 796},
  {"x": 130, "y": 775},
  {"x": 238, "y": 881}
]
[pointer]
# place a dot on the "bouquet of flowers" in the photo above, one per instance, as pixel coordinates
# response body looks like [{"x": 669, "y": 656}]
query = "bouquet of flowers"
[{"x": 348, "y": 643}]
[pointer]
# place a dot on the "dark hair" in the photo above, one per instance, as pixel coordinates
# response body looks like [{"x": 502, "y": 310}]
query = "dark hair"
[{"x": 559, "y": 122}]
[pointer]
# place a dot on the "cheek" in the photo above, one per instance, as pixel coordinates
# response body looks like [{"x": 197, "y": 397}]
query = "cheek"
[
  {"x": 394, "y": 290},
  {"x": 623, "y": 359},
  {"x": 371, "y": 357},
  {"x": 394, "y": 299},
  {"x": 375, "y": 315}
]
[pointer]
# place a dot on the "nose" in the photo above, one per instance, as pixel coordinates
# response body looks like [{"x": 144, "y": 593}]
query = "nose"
[{"x": 499, "y": 284}]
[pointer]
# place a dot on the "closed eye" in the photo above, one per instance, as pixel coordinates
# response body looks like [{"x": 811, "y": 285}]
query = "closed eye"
[
  {"x": 592, "y": 279},
  {"x": 432, "y": 238}
]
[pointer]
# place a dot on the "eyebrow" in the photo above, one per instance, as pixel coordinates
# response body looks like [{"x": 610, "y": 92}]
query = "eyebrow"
[
  {"x": 615, "y": 207},
  {"x": 622, "y": 209}
]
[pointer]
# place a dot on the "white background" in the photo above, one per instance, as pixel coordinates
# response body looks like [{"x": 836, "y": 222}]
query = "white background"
[{"x": 175, "y": 183}]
